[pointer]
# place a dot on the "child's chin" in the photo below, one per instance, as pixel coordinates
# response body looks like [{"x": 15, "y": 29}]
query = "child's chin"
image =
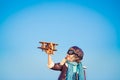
[{"x": 70, "y": 60}]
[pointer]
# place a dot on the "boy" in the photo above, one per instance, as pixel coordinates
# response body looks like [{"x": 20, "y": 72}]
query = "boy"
[{"x": 71, "y": 67}]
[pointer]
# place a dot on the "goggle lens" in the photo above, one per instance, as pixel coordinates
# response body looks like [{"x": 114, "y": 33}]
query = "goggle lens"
[{"x": 70, "y": 52}]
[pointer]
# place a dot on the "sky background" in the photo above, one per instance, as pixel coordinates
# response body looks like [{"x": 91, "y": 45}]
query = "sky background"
[{"x": 93, "y": 25}]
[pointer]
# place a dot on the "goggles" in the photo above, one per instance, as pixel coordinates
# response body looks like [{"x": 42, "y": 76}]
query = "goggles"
[{"x": 71, "y": 52}]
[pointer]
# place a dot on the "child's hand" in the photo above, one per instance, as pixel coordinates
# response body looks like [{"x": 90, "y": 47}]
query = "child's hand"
[{"x": 63, "y": 61}]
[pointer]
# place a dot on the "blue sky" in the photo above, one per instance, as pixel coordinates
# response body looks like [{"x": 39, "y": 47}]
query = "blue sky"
[{"x": 93, "y": 25}]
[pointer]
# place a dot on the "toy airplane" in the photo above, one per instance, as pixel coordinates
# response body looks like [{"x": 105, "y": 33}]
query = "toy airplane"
[{"x": 48, "y": 47}]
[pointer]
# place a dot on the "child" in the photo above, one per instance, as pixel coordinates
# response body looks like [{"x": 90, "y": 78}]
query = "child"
[{"x": 71, "y": 67}]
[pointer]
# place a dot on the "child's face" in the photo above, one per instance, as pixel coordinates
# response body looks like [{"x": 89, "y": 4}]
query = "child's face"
[{"x": 70, "y": 57}]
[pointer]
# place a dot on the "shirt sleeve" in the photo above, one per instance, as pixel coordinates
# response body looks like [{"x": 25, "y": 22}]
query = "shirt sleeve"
[
  {"x": 51, "y": 65},
  {"x": 57, "y": 67}
]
